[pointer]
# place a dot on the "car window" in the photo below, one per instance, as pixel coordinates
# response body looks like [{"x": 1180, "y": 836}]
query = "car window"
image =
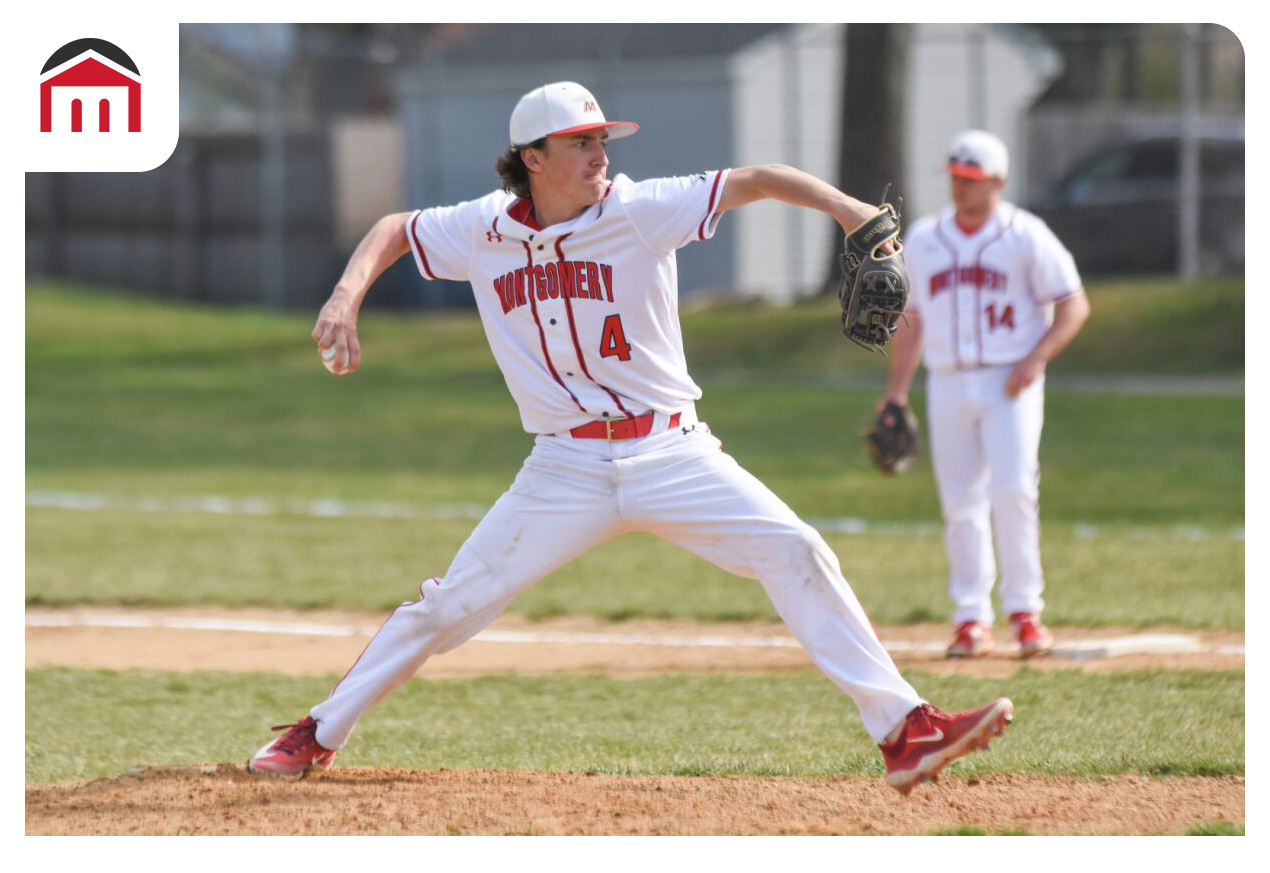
[
  {"x": 1083, "y": 185},
  {"x": 1113, "y": 165},
  {"x": 1149, "y": 170},
  {"x": 1154, "y": 161}
]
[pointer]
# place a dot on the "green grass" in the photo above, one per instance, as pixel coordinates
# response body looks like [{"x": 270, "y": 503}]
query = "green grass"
[
  {"x": 977, "y": 831},
  {"x": 1217, "y": 829},
  {"x": 1204, "y": 829},
  {"x": 1146, "y": 326},
  {"x": 145, "y": 398},
  {"x": 84, "y": 724},
  {"x": 151, "y": 558},
  {"x": 133, "y": 397}
]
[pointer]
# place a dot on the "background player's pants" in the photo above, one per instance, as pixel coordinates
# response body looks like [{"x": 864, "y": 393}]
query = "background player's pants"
[
  {"x": 984, "y": 447},
  {"x": 572, "y": 495}
]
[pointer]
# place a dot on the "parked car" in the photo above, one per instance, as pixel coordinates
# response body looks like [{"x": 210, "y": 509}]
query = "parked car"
[{"x": 1117, "y": 211}]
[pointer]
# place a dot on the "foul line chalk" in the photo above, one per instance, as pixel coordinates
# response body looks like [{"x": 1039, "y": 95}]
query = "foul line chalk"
[{"x": 1134, "y": 644}]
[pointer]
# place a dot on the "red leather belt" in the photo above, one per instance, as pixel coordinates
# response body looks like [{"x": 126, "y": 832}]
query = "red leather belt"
[{"x": 619, "y": 429}]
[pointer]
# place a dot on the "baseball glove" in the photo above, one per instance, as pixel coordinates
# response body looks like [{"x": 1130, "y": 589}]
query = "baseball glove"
[
  {"x": 892, "y": 442},
  {"x": 874, "y": 286}
]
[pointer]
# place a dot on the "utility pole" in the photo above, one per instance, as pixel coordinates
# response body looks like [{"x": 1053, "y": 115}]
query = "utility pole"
[
  {"x": 1188, "y": 158},
  {"x": 273, "y": 172}
]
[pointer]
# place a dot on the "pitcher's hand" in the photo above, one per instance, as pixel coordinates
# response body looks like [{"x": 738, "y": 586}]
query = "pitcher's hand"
[{"x": 337, "y": 327}]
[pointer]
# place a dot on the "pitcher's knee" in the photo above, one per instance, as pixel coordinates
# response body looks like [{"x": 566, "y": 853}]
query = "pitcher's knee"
[
  {"x": 438, "y": 606},
  {"x": 802, "y": 549}
]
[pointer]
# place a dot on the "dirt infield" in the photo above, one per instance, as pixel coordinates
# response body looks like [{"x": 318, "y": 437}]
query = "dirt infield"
[
  {"x": 225, "y": 799},
  {"x": 628, "y": 648},
  {"x": 365, "y": 801}
]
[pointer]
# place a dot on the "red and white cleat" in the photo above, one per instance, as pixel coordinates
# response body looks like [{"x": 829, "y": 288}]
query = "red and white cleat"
[
  {"x": 1034, "y": 638},
  {"x": 973, "y": 639},
  {"x": 931, "y": 739},
  {"x": 293, "y": 754}
]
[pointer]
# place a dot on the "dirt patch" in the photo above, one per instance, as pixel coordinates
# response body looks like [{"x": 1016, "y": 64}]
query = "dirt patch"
[
  {"x": 627, "y": 648},
  {"x": 358, "y": 801}
]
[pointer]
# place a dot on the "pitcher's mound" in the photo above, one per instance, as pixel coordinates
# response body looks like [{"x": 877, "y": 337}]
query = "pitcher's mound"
[{"x": 226, "y": 799}]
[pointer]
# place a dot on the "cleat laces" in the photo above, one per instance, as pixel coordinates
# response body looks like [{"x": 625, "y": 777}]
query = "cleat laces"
[
  {"x": 297, "y": 735},
  {"x": 931, "y": 714}
]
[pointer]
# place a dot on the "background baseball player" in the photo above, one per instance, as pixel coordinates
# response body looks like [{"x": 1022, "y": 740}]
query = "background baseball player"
[
  {"x": 575, "y": 282},
  {"x": 994, "y": 297}
]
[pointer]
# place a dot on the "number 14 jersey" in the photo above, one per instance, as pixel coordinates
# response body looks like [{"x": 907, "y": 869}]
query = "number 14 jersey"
[{"x": 985, "y": 298}]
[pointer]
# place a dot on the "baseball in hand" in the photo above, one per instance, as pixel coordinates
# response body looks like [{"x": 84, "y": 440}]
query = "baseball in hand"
[{"x": 328, "y": 357}]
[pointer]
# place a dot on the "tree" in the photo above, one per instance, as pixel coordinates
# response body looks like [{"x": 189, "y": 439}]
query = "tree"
[{"x": 872, "y": 143}]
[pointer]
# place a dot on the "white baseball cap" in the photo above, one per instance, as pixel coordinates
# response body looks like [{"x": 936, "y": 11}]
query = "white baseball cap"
[
  {"x": 977, "y": 154},
  {"x": 558, "y": 108}
]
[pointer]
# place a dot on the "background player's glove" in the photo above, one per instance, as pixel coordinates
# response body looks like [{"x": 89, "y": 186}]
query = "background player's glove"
[
  {"x": 874, "y": 286},
  {"x": 892, "y": 443}
]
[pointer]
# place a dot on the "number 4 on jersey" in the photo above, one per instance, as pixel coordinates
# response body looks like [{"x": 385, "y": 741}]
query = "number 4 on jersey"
[{"x": 613, "y": 340}]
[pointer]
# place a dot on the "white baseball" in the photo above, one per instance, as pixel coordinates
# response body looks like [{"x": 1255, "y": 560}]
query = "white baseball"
[{"x": 328, "y": 358}]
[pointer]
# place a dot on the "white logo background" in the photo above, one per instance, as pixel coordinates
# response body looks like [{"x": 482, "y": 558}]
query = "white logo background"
[{"x": 155, "y": 49}]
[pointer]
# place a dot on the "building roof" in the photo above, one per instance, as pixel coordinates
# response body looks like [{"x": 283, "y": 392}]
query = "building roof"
[
  {"x": 89, "y": 72},
  {"x": 107, "y": 50}
]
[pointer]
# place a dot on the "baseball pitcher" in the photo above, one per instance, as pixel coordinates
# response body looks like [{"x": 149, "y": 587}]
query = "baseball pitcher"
[{"x": 575, "y": 282}]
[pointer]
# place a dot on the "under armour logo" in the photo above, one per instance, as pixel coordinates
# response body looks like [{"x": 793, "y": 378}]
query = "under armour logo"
[{"x": 491, "y": 235}]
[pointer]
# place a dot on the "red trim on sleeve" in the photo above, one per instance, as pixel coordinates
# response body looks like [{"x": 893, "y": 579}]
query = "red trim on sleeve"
[
  {"x": 531, "y": 293},
  {"x": 714, "y": 192},
  {"x": 423, "y": 256},
  {"x": 1067, "y": 295}
]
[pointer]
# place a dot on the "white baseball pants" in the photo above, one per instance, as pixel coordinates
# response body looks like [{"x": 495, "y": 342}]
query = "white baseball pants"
[
  {"x": 984, "y": 447},
  {"x": 573, "y": 494}
]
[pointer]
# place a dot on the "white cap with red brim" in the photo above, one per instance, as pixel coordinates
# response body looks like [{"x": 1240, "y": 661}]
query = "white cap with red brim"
[
  {"x": 977, "y": 154},
  {"x": 561, "y": 108}
]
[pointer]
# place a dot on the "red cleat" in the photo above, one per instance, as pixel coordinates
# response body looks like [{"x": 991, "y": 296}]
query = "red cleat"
[
  {"x": 1034, "y": 638},
  {"x": 293, "y": 754},
  {"x": 973, "y": 640},
  {"x": 931, "y": 739}
]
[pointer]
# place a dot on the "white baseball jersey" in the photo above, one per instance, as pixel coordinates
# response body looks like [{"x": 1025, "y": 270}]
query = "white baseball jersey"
[
  {"x": 985, "y": 298},
  {"x": 582, "y": 316}
]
